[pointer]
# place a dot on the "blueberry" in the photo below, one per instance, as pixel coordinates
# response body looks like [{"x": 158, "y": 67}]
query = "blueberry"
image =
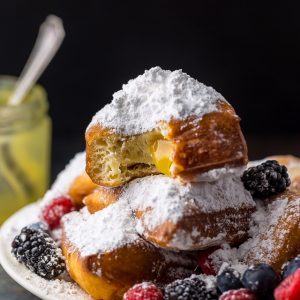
[
  {"x": 229, "y": 280},
  {"x": 291, "y": 267},
  {"x": 261, "y": 279},
  {"x": 39, "y": 226}
]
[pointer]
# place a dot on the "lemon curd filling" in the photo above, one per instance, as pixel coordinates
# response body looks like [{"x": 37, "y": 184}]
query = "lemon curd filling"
[{"x": 161, "y": 152}]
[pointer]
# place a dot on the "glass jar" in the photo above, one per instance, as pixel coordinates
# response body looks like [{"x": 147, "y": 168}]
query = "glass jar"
[{"x": 25, "y": 141}]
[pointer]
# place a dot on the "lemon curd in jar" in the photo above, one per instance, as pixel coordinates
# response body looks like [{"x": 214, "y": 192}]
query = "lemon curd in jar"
[{"x": 25, "y": 136}]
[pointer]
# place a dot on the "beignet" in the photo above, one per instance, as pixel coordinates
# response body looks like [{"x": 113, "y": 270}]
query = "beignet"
[
  {"x": 106, "y": 256},
  {"x": 163, "y": 122},
  {"x": 183, "y": 217}
]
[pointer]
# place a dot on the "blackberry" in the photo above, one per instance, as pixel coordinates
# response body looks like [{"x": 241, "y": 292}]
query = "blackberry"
[
  {"x": 34, "y": 248},
  {"x": 188, "y": 289},
  {"x": 266, "y": 179},
  {"x": 229, "y": 280}
]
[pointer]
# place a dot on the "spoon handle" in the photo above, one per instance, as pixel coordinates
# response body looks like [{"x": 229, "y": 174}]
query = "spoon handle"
[{"x": 50, "y": 37}]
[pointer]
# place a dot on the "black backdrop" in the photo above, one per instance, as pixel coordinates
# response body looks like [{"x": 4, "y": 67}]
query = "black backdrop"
[{"x": 248, "y": 50}]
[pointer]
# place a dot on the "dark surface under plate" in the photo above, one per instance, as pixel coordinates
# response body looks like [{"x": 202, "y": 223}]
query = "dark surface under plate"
[{"x": 9, "y": 290}]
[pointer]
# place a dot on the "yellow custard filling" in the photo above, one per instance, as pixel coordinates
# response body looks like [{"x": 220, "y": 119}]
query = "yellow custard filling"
[{"x": 161, "y": 152}]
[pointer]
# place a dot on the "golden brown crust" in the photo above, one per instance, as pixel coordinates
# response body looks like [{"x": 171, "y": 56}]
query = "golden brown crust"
[
  {"x": 101, "y": 198},
  {"x": 287, "y": 160},
  {"x": 80, "y": 187},
  {"x": 107, "y": 276},
  {"x": 295, "y": 185},
  {"x": 199, "y": 145},
  {"x": 280, "y": 242},
  {"x": 293, "y": 165},
  {"x": 212, "y": 229},
  {"x": 96, "y": 286},
  {"x": 208, "y": 143}
]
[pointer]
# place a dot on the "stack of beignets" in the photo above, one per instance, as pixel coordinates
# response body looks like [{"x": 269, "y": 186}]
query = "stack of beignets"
[{"x": 165, "y": 157}]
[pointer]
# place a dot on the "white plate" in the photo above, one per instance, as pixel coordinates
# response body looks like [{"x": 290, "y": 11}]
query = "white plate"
[{"x": 59, "y": 289}]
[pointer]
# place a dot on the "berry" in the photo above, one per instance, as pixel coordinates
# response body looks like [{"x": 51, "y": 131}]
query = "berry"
[
  {"x": 188, "y": 289},
  {"x": 205, "y": 262},
  {"x": 39, "y": 226},
  {"x": 35, "y": 249},
  {"x": 266, "y": 179},
  {"x": 143, "y": 291},
  {"x": 241, "y": 294},
  {"x": 261, "y": 279},
  {"x": 289, "y": 289},
  {"x": 53, "y": 212},
  {"x": 229, "y": 280},
  {"x": 291, "y": 267}
]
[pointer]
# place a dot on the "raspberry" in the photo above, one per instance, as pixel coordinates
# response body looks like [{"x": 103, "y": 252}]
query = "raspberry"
[
  {"x": 189, "y": 289},
  {"x": 266, "y": 179},
  {"x": 205, "y": 262},
  {"x": 53, "y": 212},
  {"x": 289, "y": 289},
  {"x": 143, "y": 291},
  {"x": 34, "y": 248},
  {"x": 241, "y": 294}
]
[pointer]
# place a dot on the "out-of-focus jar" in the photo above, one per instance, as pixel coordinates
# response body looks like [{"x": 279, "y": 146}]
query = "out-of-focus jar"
[{"x": 25, "y": 141}]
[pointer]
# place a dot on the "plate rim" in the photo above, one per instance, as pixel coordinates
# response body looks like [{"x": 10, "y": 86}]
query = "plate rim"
[{"x": 8, "y": 262}]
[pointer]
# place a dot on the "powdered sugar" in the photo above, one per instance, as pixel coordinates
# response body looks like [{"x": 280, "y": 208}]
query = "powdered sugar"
[
  {"x": 227, "y": 256},
  {"x": 216, "y": 174},
  {"x": 157, "y": 95},
  {"x": 104, "y": 231},
  {"x": 271, "y": 236},
  {"x": 58, "y": 289},
  {"x": 182, "y": 239},
  {"x": 75, "y": 167},
  {"x": 169, "y": 200},
  {"x": 261, "y": 245},
  {"x": 60, "y": 187}
]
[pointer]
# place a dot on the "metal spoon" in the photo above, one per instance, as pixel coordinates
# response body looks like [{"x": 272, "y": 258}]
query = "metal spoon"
[{"x": 50, "y": 37}]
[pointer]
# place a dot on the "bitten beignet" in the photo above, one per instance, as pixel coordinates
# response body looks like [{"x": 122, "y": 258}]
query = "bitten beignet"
[{"x": 163, "y": 122}]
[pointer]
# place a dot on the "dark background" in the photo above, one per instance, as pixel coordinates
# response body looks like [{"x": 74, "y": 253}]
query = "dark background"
[{"x": 247, "y": 50}]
